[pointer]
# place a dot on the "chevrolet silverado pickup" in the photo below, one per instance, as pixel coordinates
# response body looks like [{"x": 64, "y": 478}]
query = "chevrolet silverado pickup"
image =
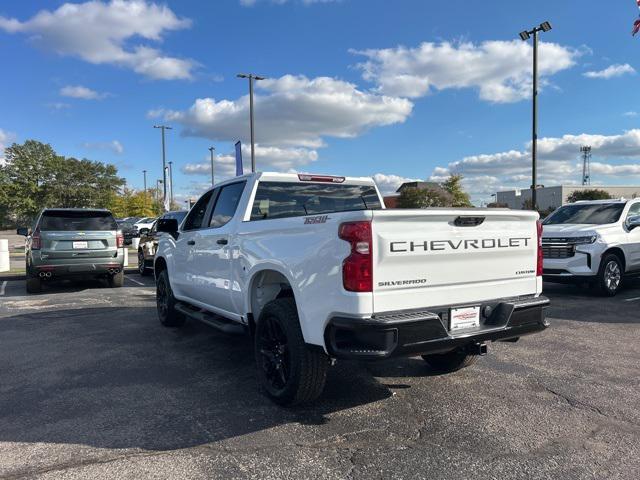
[
  {"x": 595, "y": 242},
  {"x": 316, "y": 269}
]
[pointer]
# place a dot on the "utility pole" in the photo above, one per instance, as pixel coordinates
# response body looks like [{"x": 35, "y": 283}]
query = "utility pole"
[
  {"x": 524, "y": 36},
  {"x": 164, "y": 161},
  {"x": 212, "y": 149},
  {"x": 144, "y": 198},
  {"x": 170, "y": 184},
  {"x": 586, "y": 160},
  {"x": 251, "y": 78}
]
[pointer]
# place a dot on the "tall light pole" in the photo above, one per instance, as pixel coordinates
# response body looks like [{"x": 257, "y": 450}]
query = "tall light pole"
[
  {"x": 212, "y": 149},
  {"x": 251, "y": 78},
  {"x": 164, "y": 162},
  {"x": 144, "y": 198},
  {"x": 543, "y": 27},
  {"x": 170, "y": 184}
]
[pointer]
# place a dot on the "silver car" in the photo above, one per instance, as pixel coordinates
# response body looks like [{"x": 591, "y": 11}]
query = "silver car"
[{"x": 73, "y": 242}]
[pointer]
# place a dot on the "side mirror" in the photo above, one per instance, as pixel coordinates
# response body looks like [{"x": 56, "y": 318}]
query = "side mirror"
[
  {"x": 633, "y": 222},
  {"x": 24, "y": 231},
  {"x": 143, "y": 231},
  {"x": 168, "y": 225}
]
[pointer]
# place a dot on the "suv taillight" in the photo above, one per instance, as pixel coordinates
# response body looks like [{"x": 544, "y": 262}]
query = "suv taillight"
[
  {"x": 540, "y": 256},
  {"x": 119, "y": 240},
  {"x": 36, "y": 243},
  {"x": 357, "y": 268}
]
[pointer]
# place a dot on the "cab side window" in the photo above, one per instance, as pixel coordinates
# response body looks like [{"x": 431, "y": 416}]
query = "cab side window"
[
  {"x": 634, "y": 210},
  {"x": 226, "y": 204},
  {"x": 196, "y": 215}
]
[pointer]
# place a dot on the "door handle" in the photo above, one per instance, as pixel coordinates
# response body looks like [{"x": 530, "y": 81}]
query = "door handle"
[
  {"x": 191, "y": 242},
  {"x": 222, "y": 241}
]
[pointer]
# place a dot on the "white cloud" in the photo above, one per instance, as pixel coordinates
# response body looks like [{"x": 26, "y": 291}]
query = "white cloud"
[
  {"x": 292, "y": 111},
  {"x": 85, "y": 93},
  {"x": 101, "y": 33},
  {"x": 630, "y": 114},
  {"x": 388, "y": 184},
  {"x": 114, "y": 146},
  {"x": 559, "y": 162},
  {"x": 267, "y": 158},
  {"x": 500, "y": 70},
  {"x": 5, "y": 139},
  {"x": 611, "y": 71},
  {"x": 614, "y": 170}
]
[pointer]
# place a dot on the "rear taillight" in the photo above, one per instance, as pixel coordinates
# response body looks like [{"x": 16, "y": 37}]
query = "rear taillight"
[
  {"x": 119, "y": 240},
  {"x": 357, "y": 268},
  {"x": 540, "y": 257},
  {"x": 36, "y": 243}
]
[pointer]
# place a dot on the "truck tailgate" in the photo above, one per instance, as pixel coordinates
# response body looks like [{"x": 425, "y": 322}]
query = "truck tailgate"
[{"x": 440, "y": 257}]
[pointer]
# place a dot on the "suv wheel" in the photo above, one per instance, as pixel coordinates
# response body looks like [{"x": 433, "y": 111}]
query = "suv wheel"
[
  {"x": 34, "y": 284},
  {"x": 610, "y": 275},
  {"x": 142, "y": 269},
  {"x": 289, "y": 371},
  {"x": 450, "y": 361},
  {"x": 166, "y": 303}
]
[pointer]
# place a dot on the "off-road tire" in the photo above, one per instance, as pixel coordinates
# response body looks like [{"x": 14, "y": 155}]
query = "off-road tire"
[
  {"x": 166, "y": 303},
  {"x": 307, "y": 367},
  {"x": 117, "y": 280},
  {"x": 142, "y": 269},
  {"x": 450, "y": 361},
  {"x": 34, "y": 284},
  {"x": 610, "y": 270}
]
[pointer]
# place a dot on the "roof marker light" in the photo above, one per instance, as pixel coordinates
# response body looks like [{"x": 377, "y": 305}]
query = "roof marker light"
[{"x": 304, "y": 177}]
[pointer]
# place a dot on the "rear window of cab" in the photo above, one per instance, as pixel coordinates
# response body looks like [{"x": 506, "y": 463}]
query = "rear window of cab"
[{"x": 291, "y": 199}]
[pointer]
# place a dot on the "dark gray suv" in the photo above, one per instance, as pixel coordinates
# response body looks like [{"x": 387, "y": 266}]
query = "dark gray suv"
[{"x": 73, "y": 242}]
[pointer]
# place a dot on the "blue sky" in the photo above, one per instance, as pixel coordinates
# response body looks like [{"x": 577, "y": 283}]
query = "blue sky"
[{"x": 396, "y": 90}]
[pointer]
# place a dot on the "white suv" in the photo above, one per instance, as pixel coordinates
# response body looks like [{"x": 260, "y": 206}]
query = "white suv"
[{"x": 596, "y": 241}]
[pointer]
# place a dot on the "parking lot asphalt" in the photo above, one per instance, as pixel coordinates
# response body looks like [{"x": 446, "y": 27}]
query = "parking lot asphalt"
[{"x": 91, "y": 386}]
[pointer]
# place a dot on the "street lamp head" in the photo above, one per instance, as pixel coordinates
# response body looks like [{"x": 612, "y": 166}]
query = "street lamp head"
[
  {"x": 545, "y": 26},
  {"x": 211, "y": 149},
  {"x": 250, "y": 75},
  {"x": 524, "y": 36}
]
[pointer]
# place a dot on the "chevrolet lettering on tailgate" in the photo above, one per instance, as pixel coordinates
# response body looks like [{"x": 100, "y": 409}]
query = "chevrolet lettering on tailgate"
[{"x": 452, "y": 245}]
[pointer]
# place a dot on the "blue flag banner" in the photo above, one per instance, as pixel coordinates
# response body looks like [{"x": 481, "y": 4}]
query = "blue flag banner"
[{"x": 239, "y": 169}]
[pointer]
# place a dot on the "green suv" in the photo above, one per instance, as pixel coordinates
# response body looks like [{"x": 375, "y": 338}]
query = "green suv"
[{"x": 73, "y": 242}]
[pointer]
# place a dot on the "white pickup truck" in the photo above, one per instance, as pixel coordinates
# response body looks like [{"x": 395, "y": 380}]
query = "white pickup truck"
[{"x": 315, "y": 268}]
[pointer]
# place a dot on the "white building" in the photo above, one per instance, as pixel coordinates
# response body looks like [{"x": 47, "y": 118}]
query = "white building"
[{"x": 553, "y": 197}]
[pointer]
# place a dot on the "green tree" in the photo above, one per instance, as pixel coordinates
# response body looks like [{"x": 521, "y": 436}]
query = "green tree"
[
  {"x": 453, "y": 185},
  {"x": 35, "y": 177},
  {"x": 589, "y": 194},
  {"x": 424, "y": 198}
]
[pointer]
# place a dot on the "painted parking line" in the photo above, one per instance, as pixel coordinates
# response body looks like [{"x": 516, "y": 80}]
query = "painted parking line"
[
  {"x": 3, "y": 285},
  {"x": 135, "y": 281},
  {"x": 631, "y": 299}
]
